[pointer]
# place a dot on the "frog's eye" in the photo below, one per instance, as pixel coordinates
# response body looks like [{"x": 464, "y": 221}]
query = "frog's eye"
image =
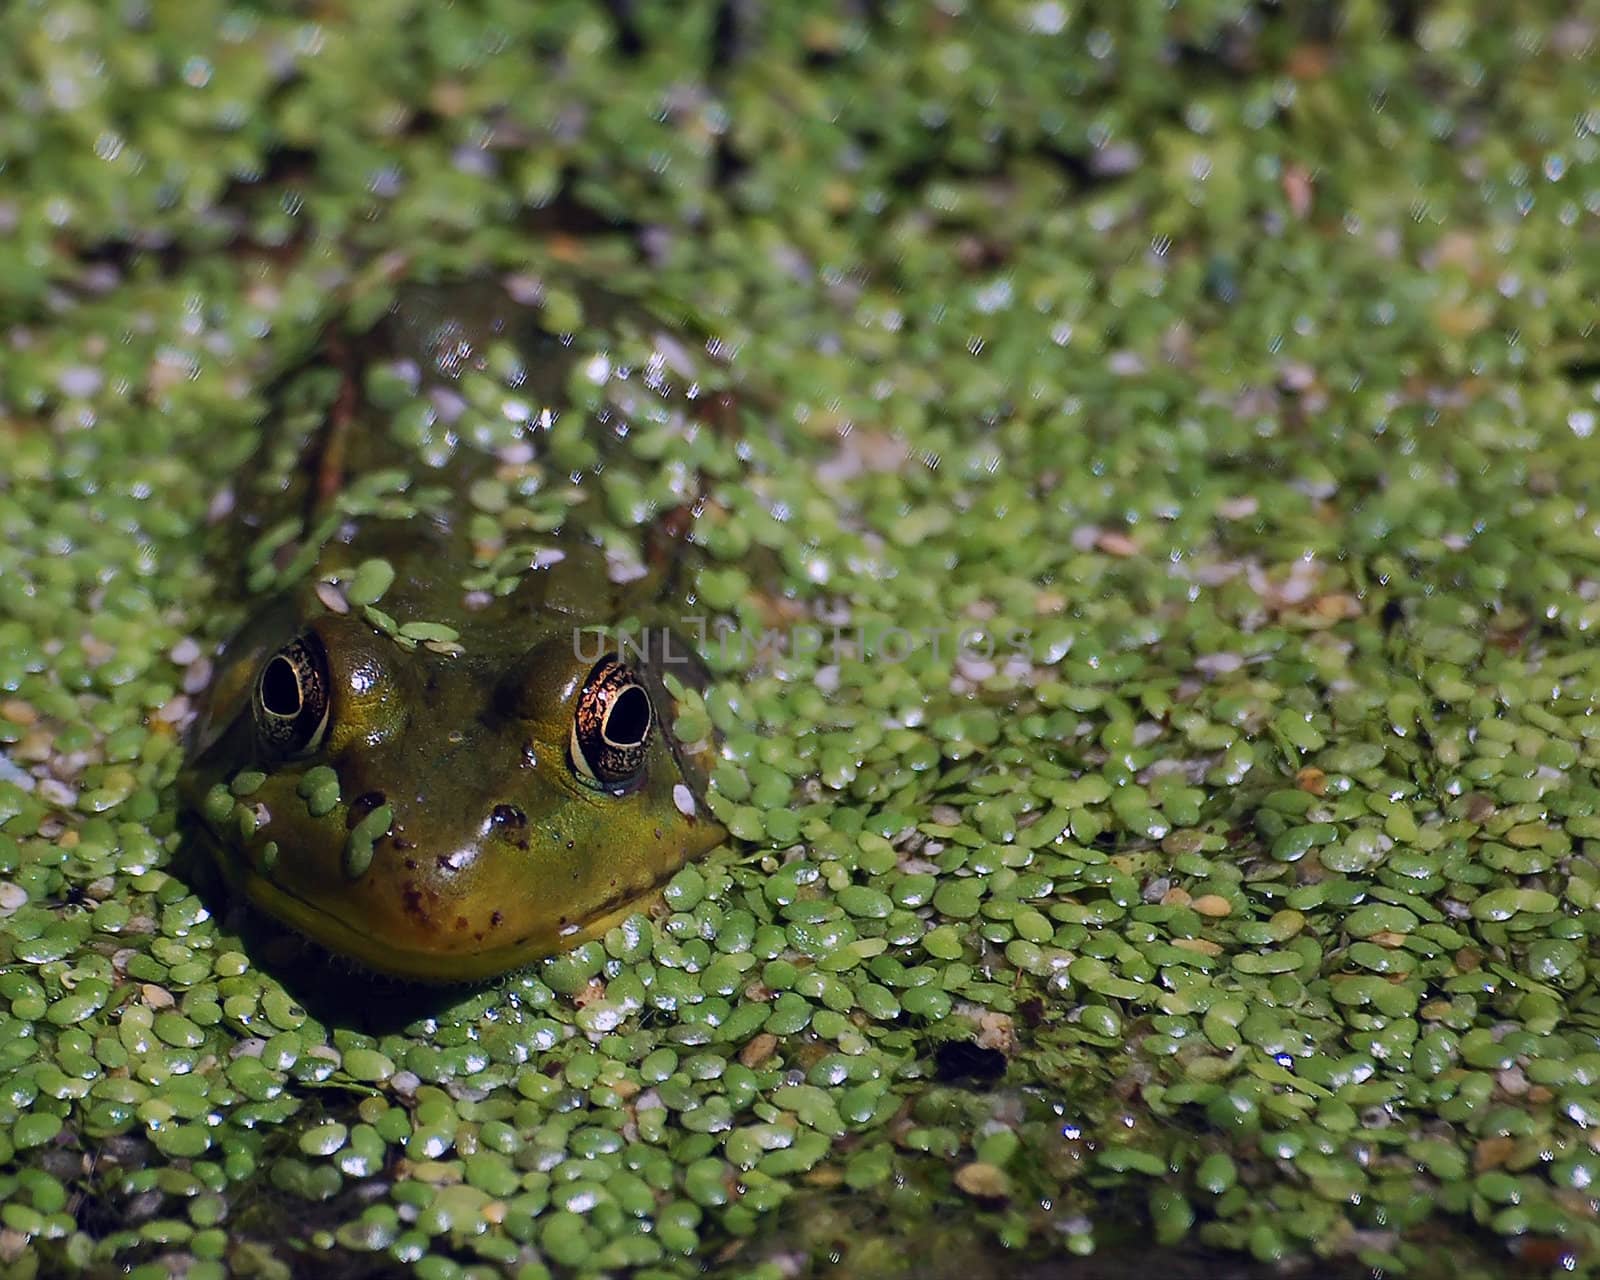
[
  {"x": 291, "y": 697},
  {"x": 611, "y": 728}
]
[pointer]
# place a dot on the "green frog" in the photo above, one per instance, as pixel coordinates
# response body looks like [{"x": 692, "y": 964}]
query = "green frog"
[{"x": 430, "y": 746}]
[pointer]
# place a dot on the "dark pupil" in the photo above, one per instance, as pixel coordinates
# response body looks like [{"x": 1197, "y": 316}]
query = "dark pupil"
[
  {"x": 280, "y": 688},
  {"x": 629, "y": 720}
]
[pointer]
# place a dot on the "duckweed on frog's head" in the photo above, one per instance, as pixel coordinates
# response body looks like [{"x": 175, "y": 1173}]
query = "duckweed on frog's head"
[{"x": 471, "y": 778}]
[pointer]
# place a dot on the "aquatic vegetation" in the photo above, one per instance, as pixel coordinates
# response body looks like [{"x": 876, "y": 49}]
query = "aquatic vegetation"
[{"x": 1161, "y": 785}]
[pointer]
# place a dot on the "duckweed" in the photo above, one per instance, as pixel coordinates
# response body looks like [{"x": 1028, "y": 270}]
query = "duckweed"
[
  {"x": 1148, "y": 571},
  {"x": 371, "y": 580}
]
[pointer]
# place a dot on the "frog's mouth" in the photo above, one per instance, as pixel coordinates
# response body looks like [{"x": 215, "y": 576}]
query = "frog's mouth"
[
  {"x": 334, "y": 934},
  {"x": 331, "y": 932}
]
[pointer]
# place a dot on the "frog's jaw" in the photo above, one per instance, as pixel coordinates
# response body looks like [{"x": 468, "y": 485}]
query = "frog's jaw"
[
  {"x": 435, "y": 967},
  {"x": 421, "y": 964}
]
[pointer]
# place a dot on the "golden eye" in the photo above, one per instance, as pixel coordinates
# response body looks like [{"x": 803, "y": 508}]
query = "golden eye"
[
  {"x": 290, "y": 700},
  {"x": 611, "y": 727}
]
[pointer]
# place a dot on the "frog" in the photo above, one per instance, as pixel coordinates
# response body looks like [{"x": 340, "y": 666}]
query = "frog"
[{"x": 429, "y": 746}]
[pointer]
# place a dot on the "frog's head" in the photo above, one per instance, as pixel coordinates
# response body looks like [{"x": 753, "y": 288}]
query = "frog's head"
[{"x": 442, "y": 816}]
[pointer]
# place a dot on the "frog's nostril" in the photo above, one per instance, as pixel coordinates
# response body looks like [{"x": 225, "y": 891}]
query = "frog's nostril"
[
  {"x": 508, "y": 816},
  {"x": 362, "y": 805}
]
